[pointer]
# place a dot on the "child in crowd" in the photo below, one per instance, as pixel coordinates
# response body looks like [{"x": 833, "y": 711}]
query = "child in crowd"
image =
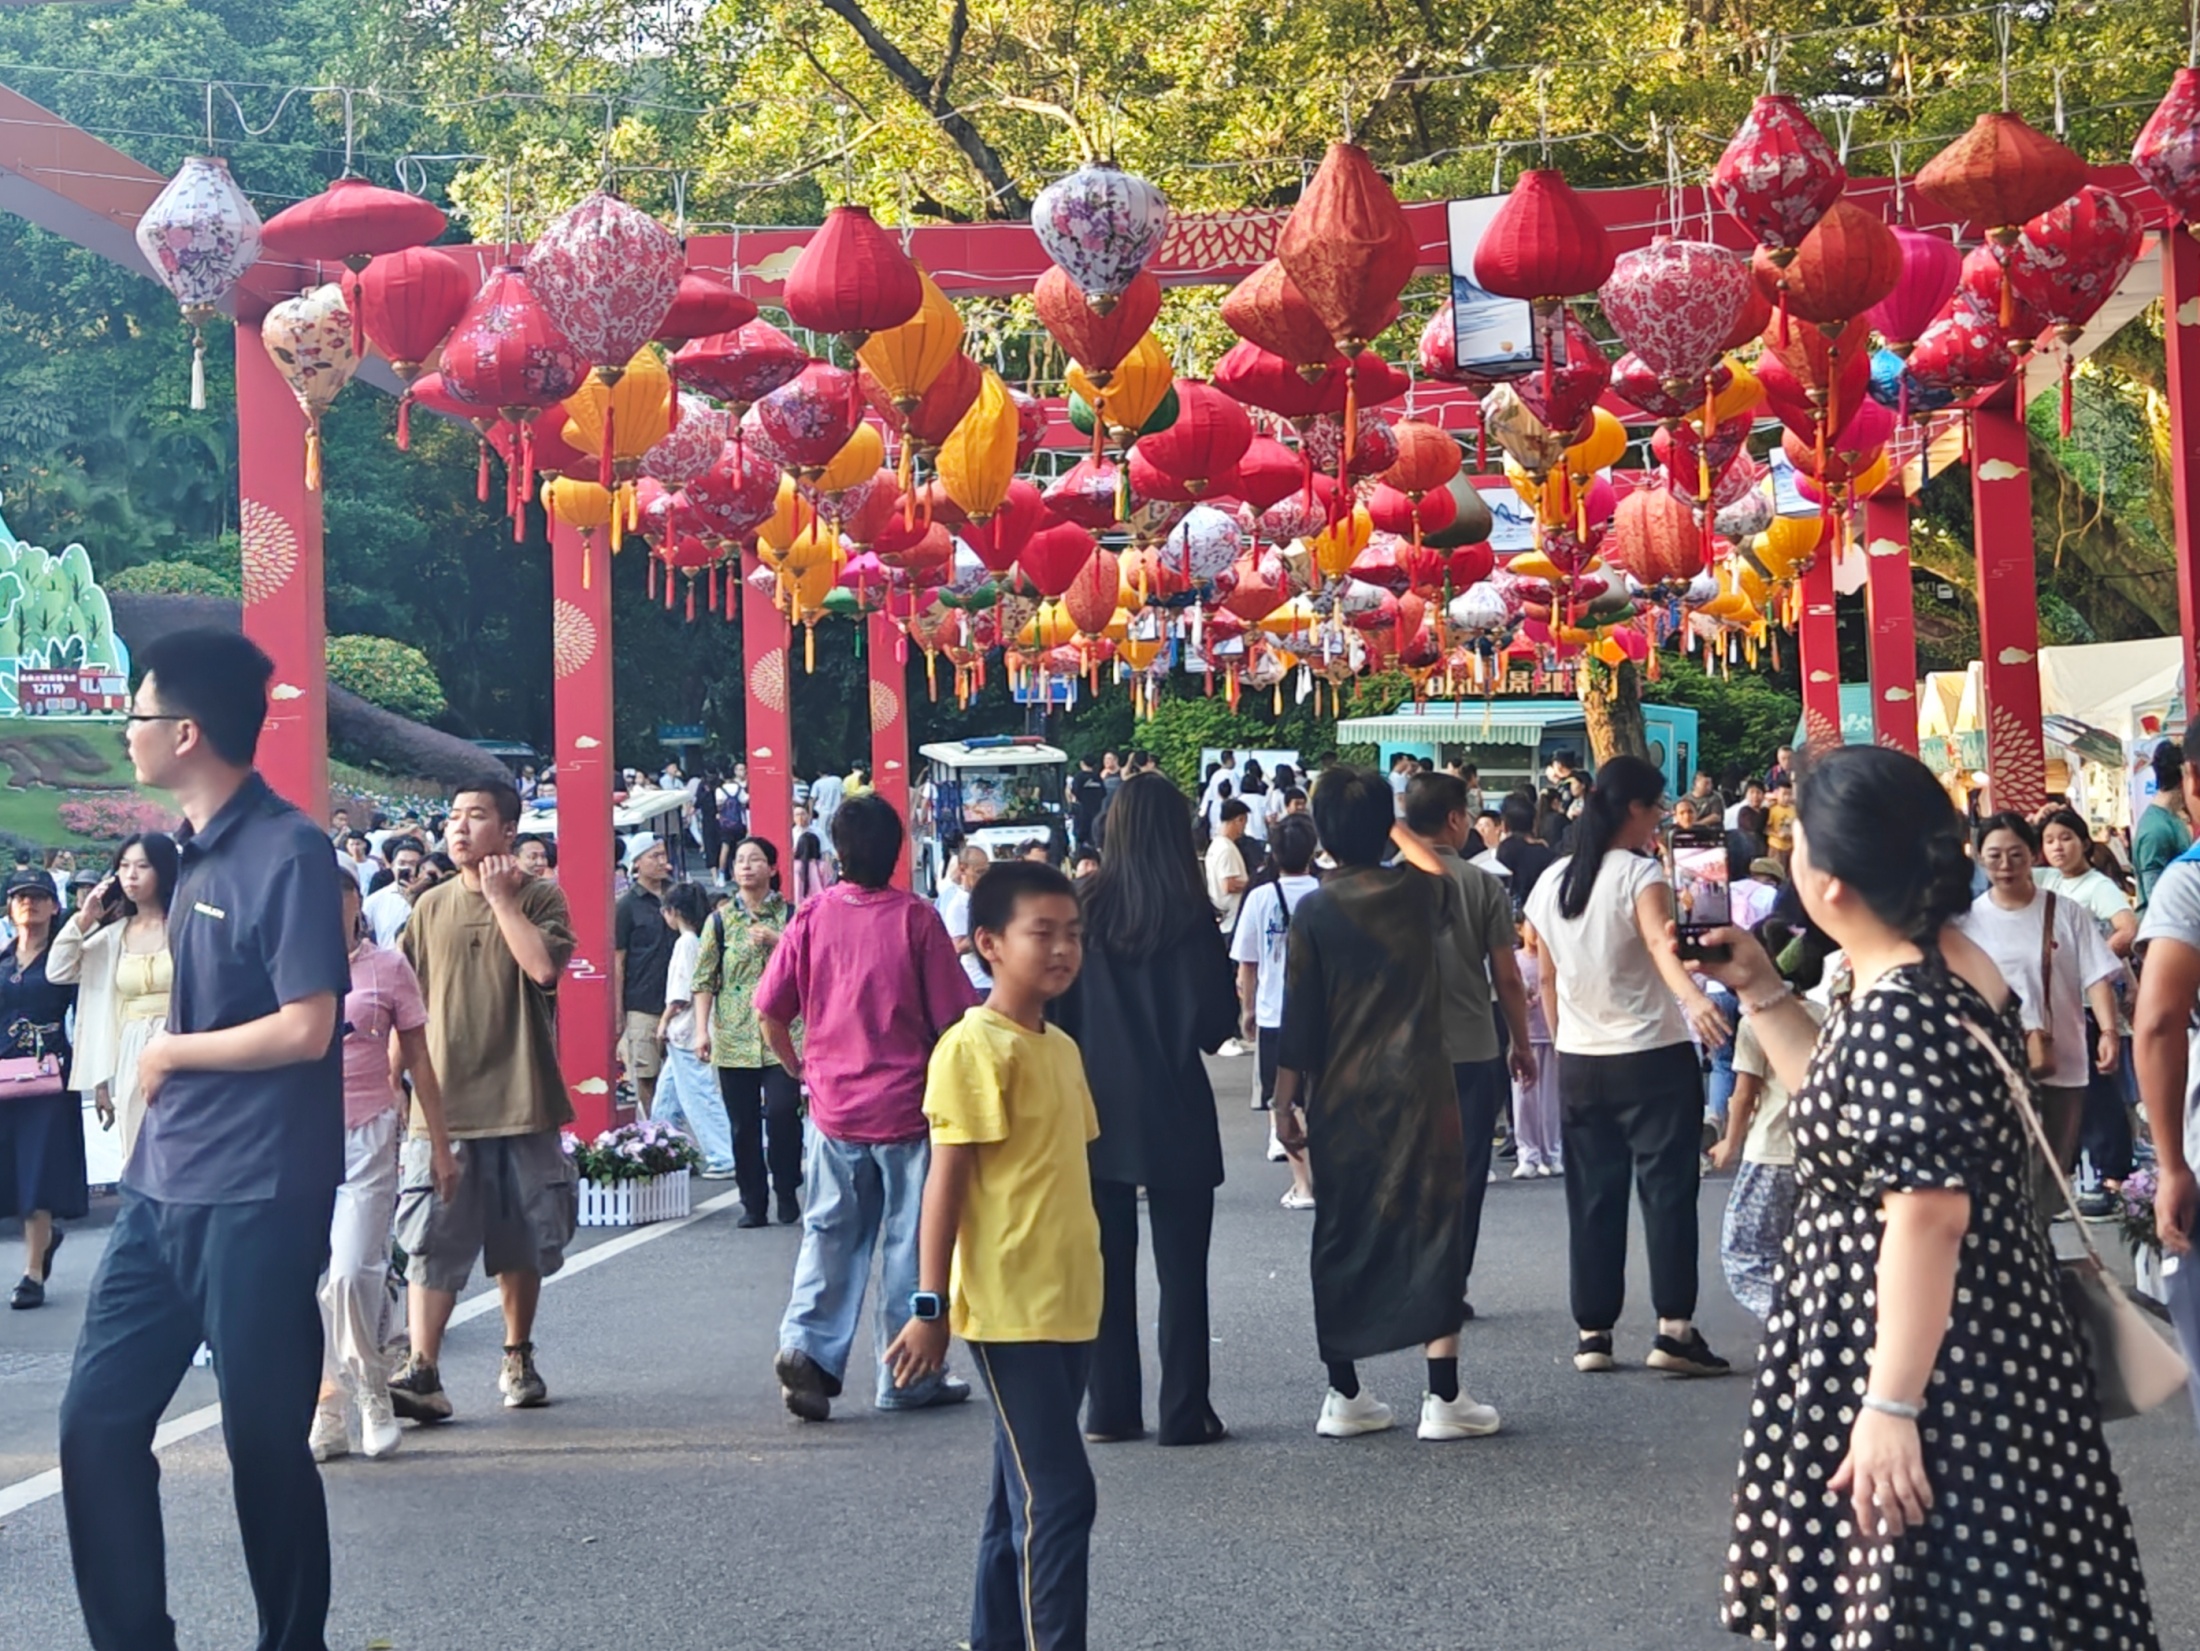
[
  {"x": 1258, "y": 949},
  {"x": 1761, "y": 1207},
  {"x": 1535, "y": 1106},
  {"x": 1010, "y": 1255}
]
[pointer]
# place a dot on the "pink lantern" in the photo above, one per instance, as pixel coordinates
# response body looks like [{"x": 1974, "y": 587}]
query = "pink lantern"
[
  {"x": 691, "y": 447},
  {"x": 1930, "y": 266},
  {"x": 1438, "y": 351},
  {"x": 806, "y": 422},
  {"x": 1673, "y": 302},
  {"x": 1778, "y": 175},
  {"x": 2167, "y": 154},
  {"x": 607, "y": 275},
  {"x": 739, "y": 492}
]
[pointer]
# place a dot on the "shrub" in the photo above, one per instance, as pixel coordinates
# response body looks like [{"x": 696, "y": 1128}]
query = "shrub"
[
  {"x": 386, "y": 673},
  {"x": 173, "y": 579},
  {"x": 111, "y": 818}
]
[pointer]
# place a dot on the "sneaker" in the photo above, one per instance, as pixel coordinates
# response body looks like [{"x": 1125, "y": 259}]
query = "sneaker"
[
  {"x": 725, "y": 1174},
  {"x": 1594, "y": 1352},
  {"x": 416, "y": 1392},
  {"x": 329, "y": 1437},
  {"x": 1459, "y": 1418},
  {"x": 1234, "y": 1048},
  {"x": 804, "y": 1385},
  {"x": 952, "y": 1390},
  {"x": 1692, "y": 1357},
  {"x": 1524, "y": 1172},
  {"x": 790, "y": 1210},
  {"x": 2097, "y": 1206},
  {"x": 522, "y": 1388},
  {"x": 1344, "y": 1418},
  {"x": 1545, "y": 1172},
  {"x": 1276, "y": 1154},
  {"x": 1297, "y": 1200},
  {"x": 379, "y": 1433}
]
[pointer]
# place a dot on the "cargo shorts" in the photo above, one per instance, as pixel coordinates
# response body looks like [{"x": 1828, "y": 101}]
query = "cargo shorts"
[{"x": 517, "y": 1205}]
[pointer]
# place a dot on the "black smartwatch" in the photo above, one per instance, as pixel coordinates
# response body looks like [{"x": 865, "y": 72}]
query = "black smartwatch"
[{"x": 926, "y": 1305}]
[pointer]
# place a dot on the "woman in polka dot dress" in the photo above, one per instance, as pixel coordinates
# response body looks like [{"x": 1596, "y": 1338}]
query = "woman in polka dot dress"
[{"x": 1924, "y": 1464}]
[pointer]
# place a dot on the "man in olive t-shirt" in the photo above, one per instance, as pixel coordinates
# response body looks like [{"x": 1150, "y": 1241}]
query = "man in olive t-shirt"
[{"x": 489, "y": 946}]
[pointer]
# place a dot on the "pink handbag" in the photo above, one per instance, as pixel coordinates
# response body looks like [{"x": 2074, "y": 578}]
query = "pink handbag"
[{"x": 34, "y": 1076}]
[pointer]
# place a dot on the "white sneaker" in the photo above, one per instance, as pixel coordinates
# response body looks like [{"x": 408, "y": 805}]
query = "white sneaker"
[
  {"x": 1459, "y": 1418},
  {"x": 329, "y": 1437},
  {"x": 1297, "y": 1200},
  {"x": 379, "y": 1433},
  {"x": 1524, "y": 1172},
  {"x": 1276, "y": 1154},
  {"x": 1344, "y": 1418},
  {"x": 1234, "y": 1048}
]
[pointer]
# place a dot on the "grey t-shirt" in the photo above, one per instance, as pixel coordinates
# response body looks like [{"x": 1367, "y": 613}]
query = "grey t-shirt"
[
  {"x": 1485, "y": 926},
  {"x": 2173, "y": 913}
]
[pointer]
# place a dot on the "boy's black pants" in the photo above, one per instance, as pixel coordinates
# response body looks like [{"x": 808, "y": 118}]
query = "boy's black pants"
[{"x": 1034, "y": 1553}]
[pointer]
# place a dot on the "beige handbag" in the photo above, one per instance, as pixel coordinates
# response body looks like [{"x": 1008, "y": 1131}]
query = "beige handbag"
[{"x": 2134, "y": 1367}]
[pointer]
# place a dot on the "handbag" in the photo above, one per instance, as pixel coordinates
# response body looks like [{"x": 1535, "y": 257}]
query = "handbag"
[
  {"x": 34, "y": 1076},
  {"x": 2134, "y": 1368},
  {"x": 2039, "y": 1046}
]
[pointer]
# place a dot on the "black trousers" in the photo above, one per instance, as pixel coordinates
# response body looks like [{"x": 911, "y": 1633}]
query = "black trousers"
[
  {"x": 1638, "y": 1117},
  {"x": 2104, "y": 1134},
  {"x": 758, "y": 1097},
  {"x": 1035, "y": 1551},
  {"x": 1483, "y": 1088},
  {"x": 1183, "y": 1220},
  {"x": 242, "y": 1278}
]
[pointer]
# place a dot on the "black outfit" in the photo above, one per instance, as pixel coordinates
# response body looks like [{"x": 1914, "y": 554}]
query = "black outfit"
[
  {"x": 1088, "y": 798},
  {"x": 222, "y": 1237},
  {"x": 1527, "y": 860},
  {"x": 1142, "y": 1023},
  {"x": 1035, "y": 1551},
  {"x": 2029, "y": 1539},
  {"x": 1483, "y": 1088},
  {"x": 757, "y": 1096},
  {"x": 639, "y": 930},
  {"x": 42, "y": 1137},
  {"x": 1639, "y": 1117}
]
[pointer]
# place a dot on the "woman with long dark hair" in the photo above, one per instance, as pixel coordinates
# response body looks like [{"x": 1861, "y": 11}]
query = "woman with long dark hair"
[
  {"x": 115, "y": 951},
  {"x": 41, "y": 1124},
  {"x": 1923, "y": 1397},
  {"x": 1621, "y": 1009},
  {"x": 1156, "y": 991}
]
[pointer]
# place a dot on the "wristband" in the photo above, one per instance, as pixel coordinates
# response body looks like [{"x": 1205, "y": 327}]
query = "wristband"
[
  {"x": 1893, "y": 1407},
  {"x": 1772, "y": 1001}
]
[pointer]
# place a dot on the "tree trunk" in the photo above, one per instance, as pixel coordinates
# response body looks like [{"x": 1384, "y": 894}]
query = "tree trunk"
[{"x": 1611, "y": 703}]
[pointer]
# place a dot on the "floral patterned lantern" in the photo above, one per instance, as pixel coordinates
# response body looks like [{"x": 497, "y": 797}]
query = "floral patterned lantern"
[
  {"x": 1673, "y": 303},
  {"x": 507, "y": 356},
  {"x": 1983, "y": 288},
  {"x": 1778, "y": 175},
  {"x": 742, "y": 366},
  {"x": 1093, "y": 593},
  {"x": 1101, "y": 226},
  {"x": 1437, "y": 353},
  {"x": 807, "y": 420},
  {"x": 1561, "y": 396},
  {"x": 1638, "y": 384},
  {"x": 1348, "y": 248},
  {"x": 1371, "y": 449},
  {"x": 200, "y": 235},
  {"x": 1086, "y": 493},
  {"x": 1999, "y": 173},
  {"x": 1267, "y": 310},
  {"x": 1960, "y": 354},
  {"x": 738, "y": 493},
  {"x": 309, "y": 340},
  {"x": 1204, "y": 543},
  {"x": 2069, "y": 261},
  {"x": 691, "y": 447},
  {"x": 1520, "y": 433},
  {"x": 1930, "y": 265},
  {"x": 852, "y": 278},
  {"x": 2167, "y": 153}
]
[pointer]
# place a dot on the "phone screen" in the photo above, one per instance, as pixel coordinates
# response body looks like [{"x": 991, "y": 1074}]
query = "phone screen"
[{"x": 1701, "y": 900}]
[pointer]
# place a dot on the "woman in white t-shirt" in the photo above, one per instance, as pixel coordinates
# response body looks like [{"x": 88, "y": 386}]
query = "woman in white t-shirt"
[
  {"x": 1622, "y": 1010},
  {"x": 2018, "y": 924},
  {"x": 1257, "y": 947},
  {"x": 2105, "y": 1135}
]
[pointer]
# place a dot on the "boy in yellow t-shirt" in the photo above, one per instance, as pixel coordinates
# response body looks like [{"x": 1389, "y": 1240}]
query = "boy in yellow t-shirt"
[{"x": 1009, "y": 1254}]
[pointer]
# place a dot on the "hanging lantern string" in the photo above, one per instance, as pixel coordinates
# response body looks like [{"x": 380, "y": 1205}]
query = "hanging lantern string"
[
  {"x": 2192, "y": 37},
  {"x": 2004, "y": 30}
]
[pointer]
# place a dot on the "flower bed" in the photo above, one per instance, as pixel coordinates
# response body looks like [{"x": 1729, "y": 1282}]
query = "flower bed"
[
  {"x": 2135, "y": 1219},
  {"x": 633, "y": 1175}
]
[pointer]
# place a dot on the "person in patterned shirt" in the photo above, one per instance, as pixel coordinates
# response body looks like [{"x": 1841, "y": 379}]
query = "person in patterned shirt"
[{"x": 762, "y": 1098}]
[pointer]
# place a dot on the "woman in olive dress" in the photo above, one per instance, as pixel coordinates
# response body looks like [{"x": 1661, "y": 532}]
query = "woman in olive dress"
[
  {"x": 41, "y": 1135},
  {"x": 1924, "y": 1464}
]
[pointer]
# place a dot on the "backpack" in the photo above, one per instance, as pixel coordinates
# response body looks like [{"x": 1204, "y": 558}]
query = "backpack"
[{"x": 733, "y": 818}]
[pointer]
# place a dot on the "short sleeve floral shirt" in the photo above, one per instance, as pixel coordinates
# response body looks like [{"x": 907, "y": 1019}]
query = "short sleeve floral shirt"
[{"x": 736, "y": 945}]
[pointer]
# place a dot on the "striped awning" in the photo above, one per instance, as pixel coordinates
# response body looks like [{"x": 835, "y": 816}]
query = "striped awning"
[{"x": 1471, "y": 722}]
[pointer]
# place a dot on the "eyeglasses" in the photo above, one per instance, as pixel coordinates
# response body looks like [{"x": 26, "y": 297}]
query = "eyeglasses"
[{"x": 155, "y": 716}]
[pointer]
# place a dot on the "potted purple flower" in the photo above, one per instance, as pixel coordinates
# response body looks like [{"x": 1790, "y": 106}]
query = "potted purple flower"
[{"x": 633, "y": 1175}]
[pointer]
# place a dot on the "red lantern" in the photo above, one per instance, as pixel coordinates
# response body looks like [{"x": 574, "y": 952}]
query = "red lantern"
[
  {"x": 1391, "y": 511},
  {"x": 2068, "y": 262},
  {"x": 1562, "y": 396},
  {"x": 1756, "y": 311},
  {"x": 1098, "y": 343},
  {"x": 1086, "y": 493},
  {"x": 1259, "y": 585},
  {"x": 1469, "y": 565},
  {"x": 742, "y": 365},
  {"x": 1960, "y": 354},
  {"x": 942, "y": 406},
  {"x": 1268, "y": 473},
  {"x": 915, "y": 547},
  {"x": 1836, "y": 467},
  {"x": 809, "y": 419},
  {"x": 2000, "y": 173},
  {"x": 1427, "y": 458},
  {"x": 2167, "y": 153},
  {"x": 1983, "y": 289},
  {"x": 1930, "y": 265},
  {"x": 1053, "y": 557},
  {"x": 1267, "y": 310},
  {"x": 1348, "y": 248},
  {"x": 1635, "y": 383},
  {"x": 1094, "y": 594},
  {"x": 507, "y": 355},
  {"x": 352, "y": 221},
  {"x": 1846, "y": 264},
  {"x": 1544, "y": 244},
  {"x": 739, "y": 493},
  {"x": 1778, "y": 175},
  {"x": 1000, "y": 539},
  {"x": 852, "y": 278},
  {"x": 1261, "y": 379},
  {"x": 1201, "y": 449},
  {"x": 408, "y": 303},
  {"x": 1656, "y": 538},
  {"x": 705, "y": 306}
]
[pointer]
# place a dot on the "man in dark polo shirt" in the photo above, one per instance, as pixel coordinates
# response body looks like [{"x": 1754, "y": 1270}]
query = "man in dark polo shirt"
[
  {"x": 641, "y": 953},
  {"x": 224, "y": 1226}
]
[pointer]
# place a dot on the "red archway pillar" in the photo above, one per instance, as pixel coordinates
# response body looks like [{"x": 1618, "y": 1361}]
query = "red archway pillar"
[
  {"x": 2008, "y": 607},
  {"x": 2181, "y": 334},
  {"x": 1818, "y": 638},
  {"x": 580, "y": 629},
  {"x": 889, "y": 669},
  {"x": 1893, "y": 622},
  {"x": 767, "y": 729},
  {"x": 284, "y": 581}
]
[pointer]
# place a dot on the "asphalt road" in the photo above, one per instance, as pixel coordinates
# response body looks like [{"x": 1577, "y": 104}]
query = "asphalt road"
[{"x": 664, "y": 1500}]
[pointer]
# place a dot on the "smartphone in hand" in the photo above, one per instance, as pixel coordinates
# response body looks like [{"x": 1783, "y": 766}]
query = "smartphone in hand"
[{"x": 1701, "y": 894}]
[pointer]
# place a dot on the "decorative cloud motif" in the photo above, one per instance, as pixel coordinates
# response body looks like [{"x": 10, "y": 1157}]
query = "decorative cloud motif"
[
  {"x": 1898, "y": 694},
  {"x": 1884, "y": 547},
  {"x": 286, "y": 690},
  {"x": 1999, "y": 470},
  {"x": 592, "y": 1086},
  {"x": 587, "y": 742},
  {"x": 2188, "y": 313},
  {"x": 2013, "y": 656}
]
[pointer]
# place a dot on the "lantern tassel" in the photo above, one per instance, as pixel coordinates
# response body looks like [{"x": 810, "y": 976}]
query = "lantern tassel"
[
  {"x": 313, "y": 457},
  {"x": 2069, "y": 373},
  {"x": 404, "y": 421},
  {"x": 691, "y": 599},
  {"x": 588, "y": 548},
  {"x": 650, "y": 580},
  {"x": 198, "y": 369},
  {"x": 809, "y": 647},
  {"x": 481, "y": 474},
  {"x": 603, "y": 459},
  {"x": 714, "y": 587}
]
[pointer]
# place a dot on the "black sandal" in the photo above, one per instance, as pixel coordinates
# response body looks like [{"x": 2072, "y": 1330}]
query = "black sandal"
[{"x": 29, "y": 1292}]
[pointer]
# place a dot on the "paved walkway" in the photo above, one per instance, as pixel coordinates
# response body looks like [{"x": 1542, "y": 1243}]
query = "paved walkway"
[{"x": 664, "y": 1501}]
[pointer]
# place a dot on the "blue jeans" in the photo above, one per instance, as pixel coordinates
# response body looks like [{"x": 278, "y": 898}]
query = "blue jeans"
[
  {"x": 688, "y": 1092},
  {"x": 861, "y": 1196},
  {"x": 1720, "y": 1086}
]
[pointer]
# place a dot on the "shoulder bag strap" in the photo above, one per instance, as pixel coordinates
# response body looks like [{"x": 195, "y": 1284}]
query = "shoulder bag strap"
[
  {"x": 2047, "y": 965},
  {"x": 2020, "y": 1096}
]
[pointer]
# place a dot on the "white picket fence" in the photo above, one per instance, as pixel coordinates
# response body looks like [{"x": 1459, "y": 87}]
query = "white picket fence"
[{"x": 635, "y": 1203}]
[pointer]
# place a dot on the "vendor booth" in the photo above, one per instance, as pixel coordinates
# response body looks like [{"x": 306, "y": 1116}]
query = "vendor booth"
[{"x": 1511, "y": 740}]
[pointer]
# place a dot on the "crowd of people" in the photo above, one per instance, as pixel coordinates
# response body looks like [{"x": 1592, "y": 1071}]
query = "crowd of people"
[{"x": 310, "y": 1044}]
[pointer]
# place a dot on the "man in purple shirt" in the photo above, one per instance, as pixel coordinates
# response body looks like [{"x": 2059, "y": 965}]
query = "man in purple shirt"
[{"x": 872, "y": 975}]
